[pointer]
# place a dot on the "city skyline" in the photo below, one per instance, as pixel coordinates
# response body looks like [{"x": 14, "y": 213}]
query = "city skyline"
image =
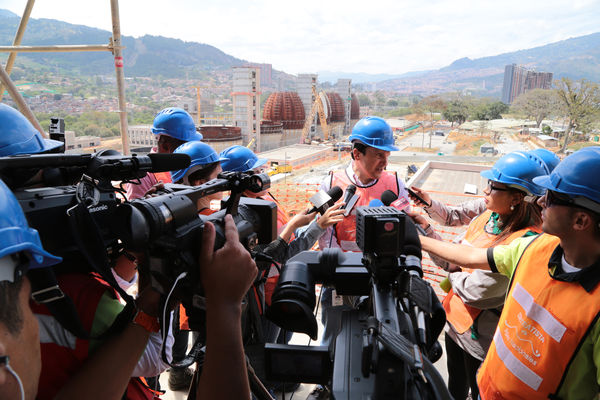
[{"x": 383, "y": 37}]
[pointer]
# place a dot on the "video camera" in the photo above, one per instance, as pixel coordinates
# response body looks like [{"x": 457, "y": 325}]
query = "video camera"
[
  {"x": 385, "y": 344},
  {"x": 86, "y": 221}
]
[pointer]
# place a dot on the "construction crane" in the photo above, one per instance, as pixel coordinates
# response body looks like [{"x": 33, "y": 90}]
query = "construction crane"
[{"x": 317, "y": 107}]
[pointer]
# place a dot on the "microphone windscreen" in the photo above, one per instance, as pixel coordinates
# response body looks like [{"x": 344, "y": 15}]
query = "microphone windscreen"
[
  {"x": 335, "y": 193},
  {"x": 169, "y": 162},
  {"x": 388, "y": 197}
]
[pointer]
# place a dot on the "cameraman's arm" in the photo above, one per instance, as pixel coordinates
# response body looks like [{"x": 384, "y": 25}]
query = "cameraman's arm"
[
  {"x": 227, "y": 275},
  {"x": 114, "y": 360}
]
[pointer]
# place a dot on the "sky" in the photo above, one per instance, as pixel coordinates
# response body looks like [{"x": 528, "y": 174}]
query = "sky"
[{"x": 372, "y": 36}]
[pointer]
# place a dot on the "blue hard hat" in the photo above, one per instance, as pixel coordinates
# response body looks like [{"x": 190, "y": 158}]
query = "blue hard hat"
[
  {"x": 200, "y": 154},
  {"x": 177, "y": 123},
  {"x": 550, "y": 158},
  {"x": 17, "y": 236},
  {"x": 517, "y": 170},
  {"x": 374, "y": 132},
  {"x": 576, "y": 177},
  {"x": 240, "y": 159},
  {"x": 18, "y": 136}
]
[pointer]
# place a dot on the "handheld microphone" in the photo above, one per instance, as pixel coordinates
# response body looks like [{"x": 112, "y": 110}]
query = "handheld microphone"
[
  {"x": 323, "y": 200},
  {"x": 390, "y": 199},
  {"x": 350, "y": 199}
]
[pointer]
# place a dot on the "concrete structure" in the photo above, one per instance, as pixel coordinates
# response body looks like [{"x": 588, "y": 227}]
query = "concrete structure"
[
  {"x": 246, "y": 103},
  {"x": 298, "y": 155},
  {"x": 74, "y": 144},
  {"x": 547, "y": 141},
  {"x": 141, "y": 138},
  {"x": 518, "y": 80},
  {"x": 285, "y": 107},
  {"x": 207, "y": 107}
]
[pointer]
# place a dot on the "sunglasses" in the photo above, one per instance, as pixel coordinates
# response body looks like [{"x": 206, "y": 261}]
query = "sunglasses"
[
  {"x": 559, "y": 199},
  {"x": 491, "y": 186}
]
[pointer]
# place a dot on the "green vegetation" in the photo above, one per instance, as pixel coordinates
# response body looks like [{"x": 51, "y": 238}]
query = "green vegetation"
[{"x": 96, "y": 123}]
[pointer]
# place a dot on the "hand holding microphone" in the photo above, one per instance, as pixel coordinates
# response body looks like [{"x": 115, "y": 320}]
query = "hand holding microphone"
[
  {"x": 390, "y": 199},
  {"x": 322, "y": 200}
]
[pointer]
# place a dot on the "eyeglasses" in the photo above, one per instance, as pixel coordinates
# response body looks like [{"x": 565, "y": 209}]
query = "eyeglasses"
[
  {"x": 491, "y": 186},
  {"x": 559, "y": 199}
]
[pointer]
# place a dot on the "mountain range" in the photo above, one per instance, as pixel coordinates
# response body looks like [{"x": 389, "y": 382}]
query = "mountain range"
[{"x": 157, "y": 56}]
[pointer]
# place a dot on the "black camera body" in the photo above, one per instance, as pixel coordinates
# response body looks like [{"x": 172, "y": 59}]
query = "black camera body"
[{"x": 382, "y": 348}]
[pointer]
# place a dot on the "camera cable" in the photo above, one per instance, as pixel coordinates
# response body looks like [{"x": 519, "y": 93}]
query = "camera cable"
[{"x": 4, "y": 360}]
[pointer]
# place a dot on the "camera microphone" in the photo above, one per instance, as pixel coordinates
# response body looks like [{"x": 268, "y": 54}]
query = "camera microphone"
[
  {"x": 323, "y": 200},
  {"x": 169, "y": 162}
]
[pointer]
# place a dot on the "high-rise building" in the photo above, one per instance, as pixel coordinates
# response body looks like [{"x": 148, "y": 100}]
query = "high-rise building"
[
  {"x": 266, "y": 73},
  {"x": 518, "y": 80},
  {"x": 246, "y": 103},
  {"x": 344, "y": 88},
  {"x": 305, "y": 83}
]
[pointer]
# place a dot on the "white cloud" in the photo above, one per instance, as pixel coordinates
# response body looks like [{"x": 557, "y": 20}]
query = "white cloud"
[{"x": 380, "y": 36}]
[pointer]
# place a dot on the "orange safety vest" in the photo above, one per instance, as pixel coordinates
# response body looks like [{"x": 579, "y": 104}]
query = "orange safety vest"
[
  {"x": 345, "y": 231},
  {"x": 458, "y": 314},
  {"x": 61, "y": 357},
  {"x": 543, "y": 323}
]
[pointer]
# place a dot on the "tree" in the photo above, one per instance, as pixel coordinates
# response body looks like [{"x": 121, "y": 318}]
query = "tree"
[
  {"x": 486, "y": 112},
  {"x": 536, "y": 104},
  {"x": 431, "y": 104},
  {"x": 392, "y": 103},
  {"x": 579, "y": 102},
  {"x": 364, "y": 100},
  {"x": 456, "y": 111}
]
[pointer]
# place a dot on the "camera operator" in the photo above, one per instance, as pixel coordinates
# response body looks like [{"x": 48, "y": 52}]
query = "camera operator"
[
  {"x": 546, "y": 345},
  {"x": 173, "y": 126},
  {"x": 20, "y": 250}
]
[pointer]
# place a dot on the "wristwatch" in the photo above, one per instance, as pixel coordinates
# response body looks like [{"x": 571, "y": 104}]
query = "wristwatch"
[{"x": 146, "y": 321}]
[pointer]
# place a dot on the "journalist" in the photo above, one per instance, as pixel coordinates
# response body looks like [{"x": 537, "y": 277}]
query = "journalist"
[
  {"x": 20, "y": 250},
  {"x": 547, "y": 341},
  {"x": 173, "y": 127}
]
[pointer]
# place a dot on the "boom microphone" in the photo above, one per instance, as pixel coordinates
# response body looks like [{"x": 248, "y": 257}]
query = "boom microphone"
[{"x": 323, "y": 200}]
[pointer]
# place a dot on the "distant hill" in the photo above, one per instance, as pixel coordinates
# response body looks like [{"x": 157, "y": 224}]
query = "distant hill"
[
  {"x": 575, "y": 58},
  {"x": 362, "y": 77},
  {"x": 146, "y": 56}
]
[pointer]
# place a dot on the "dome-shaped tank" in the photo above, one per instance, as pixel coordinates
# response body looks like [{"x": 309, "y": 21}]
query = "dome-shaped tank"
[
  {"x": 285, "y": 107},
  {"x": 336, "y": 107},
  {"x": 354, "y": 107}
]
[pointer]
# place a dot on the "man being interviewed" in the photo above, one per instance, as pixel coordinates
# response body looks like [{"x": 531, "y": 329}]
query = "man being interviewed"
[{"x": 372, "y": 141}]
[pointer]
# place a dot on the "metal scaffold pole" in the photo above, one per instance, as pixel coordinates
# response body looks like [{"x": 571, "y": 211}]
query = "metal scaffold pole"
[
  {"x": 118, "y": 55},
  {"x": 17, "y": 41}
]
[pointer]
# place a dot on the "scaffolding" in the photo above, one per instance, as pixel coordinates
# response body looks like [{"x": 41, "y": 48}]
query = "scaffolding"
[{"x": 114, "y": 46}]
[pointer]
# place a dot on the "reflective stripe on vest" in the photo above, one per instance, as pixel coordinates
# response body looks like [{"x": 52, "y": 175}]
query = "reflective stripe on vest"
[
  {"x": 541, "y": 327},
  {"x": 458, "y": 314},
  {"x": 346, "y": 230}
]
